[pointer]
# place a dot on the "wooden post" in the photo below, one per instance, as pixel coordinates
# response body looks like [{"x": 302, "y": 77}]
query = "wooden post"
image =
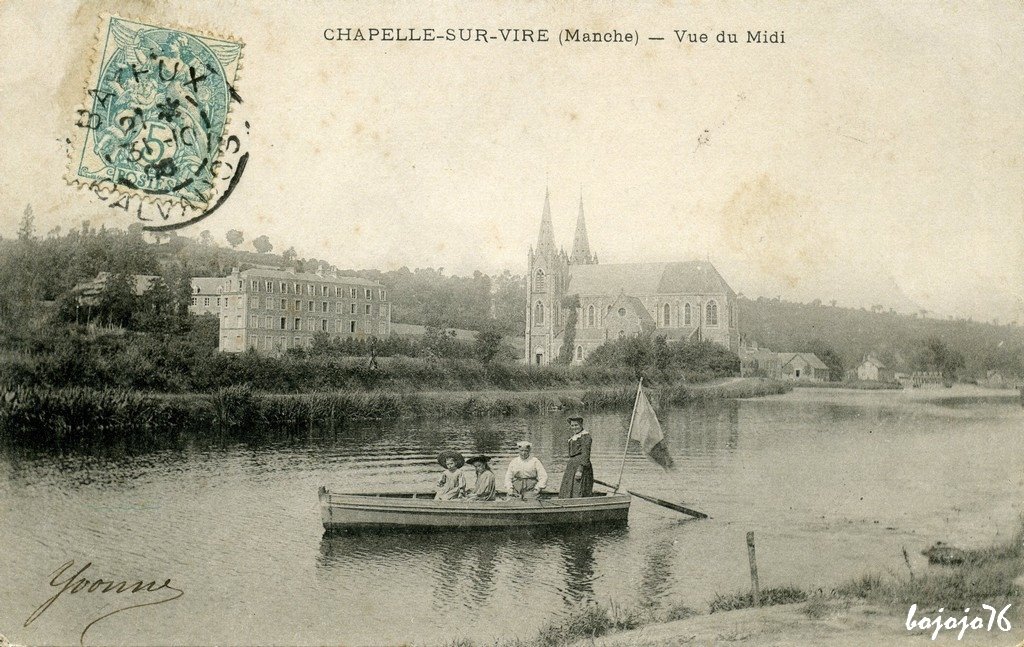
[{"x": 755, "y": 589}]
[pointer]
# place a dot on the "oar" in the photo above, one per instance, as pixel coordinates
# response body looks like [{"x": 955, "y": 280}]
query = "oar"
[{"x": 661, "y": 502}]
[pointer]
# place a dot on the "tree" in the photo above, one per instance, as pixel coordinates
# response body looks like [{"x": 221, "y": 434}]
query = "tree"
[
  {"x": 27, "y": 228},
  {"x": 206, "y": 238},
  {"x": 488, "y": 344},
  {"x": 289, "y": 255},
  {"x": 439, "y": 342},
  {"x": 935, "y": 355},
  {"x": 117, "y": 299},
  {"x": 830, "y": 358},
  {"x": 235, "y": 238},
  {"x": 572, "y": 304},
  {"x": 262, "y": 245}
]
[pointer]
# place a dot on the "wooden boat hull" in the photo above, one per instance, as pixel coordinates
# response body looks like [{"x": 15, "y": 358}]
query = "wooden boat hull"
[{"x": 362, "y": 512}]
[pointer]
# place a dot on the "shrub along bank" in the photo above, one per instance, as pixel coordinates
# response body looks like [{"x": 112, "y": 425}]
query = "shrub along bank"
[{"x": 75, "y": 416}]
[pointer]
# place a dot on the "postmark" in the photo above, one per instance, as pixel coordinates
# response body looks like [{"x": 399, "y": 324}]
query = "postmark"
[{"x": 155, "y": 122}]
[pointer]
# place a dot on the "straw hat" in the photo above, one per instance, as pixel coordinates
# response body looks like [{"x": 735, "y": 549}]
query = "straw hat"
[
  {"x": 523, "y": 443},
  {"x": 443, "y": 457},
  {"x": 482, "y": 458}
]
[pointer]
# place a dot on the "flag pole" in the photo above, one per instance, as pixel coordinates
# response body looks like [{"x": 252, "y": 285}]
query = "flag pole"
[{"x": 629, "y": 434}]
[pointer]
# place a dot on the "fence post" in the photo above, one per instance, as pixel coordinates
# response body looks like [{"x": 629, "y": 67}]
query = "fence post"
[{"x": 755, "y": 589}]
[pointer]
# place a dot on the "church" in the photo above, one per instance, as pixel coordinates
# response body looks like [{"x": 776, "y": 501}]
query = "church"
[{"x": 682, "y": 301}]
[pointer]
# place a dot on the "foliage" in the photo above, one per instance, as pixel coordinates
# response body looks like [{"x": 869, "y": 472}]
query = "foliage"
[
  {"x": 768, "y": 597},
  {"x": 488, "y": 344},
  {"x": 935, "y": 355},
  {"x": 986, "y": 575},
  {"x": 656, "y": 358},
  {"x": 895, "y": 339},
  {"x": 571, "y": 304},
  {"x": 234, "y": 238},
  {"x": 262, "y": 245}
]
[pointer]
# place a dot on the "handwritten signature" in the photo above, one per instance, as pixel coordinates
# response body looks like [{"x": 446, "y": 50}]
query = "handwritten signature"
[{"x": 78, "y": 584}]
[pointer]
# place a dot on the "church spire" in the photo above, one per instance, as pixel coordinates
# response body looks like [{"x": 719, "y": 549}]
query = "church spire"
[
  {"x": 581, "y": 245},
  {"x": 546, "y": 239}
]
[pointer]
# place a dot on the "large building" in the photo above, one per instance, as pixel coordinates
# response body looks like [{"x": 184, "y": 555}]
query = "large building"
[
  {"x": 683, "y": 301},
  {"x": 271, "y": 310},
  {"x": 206, "y": 295}
]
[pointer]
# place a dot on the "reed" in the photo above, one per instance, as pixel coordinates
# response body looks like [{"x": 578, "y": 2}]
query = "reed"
[
  {"x": 985, "y": 575},
  {"x": 79, "y": 416}
]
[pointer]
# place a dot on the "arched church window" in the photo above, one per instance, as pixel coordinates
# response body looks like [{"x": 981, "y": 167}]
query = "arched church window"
[
  {"x": 666, "y": 317},
  {"x": 579, "y": 352},
  {"x": 712, "y": 314},
  {"x": 538, "y": 313},
  {"x": 540, "y": 283},
  {"x": 622, "y": 312},
  {"x": 590, "y": 316},
  {"x": 686, "y": 315}
]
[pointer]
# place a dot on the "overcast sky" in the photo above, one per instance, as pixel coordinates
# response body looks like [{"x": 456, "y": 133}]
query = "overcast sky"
[{"x": 875, "y": 157}]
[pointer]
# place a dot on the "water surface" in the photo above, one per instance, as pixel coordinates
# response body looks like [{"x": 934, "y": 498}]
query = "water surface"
[{"x": 833, "y": 483}]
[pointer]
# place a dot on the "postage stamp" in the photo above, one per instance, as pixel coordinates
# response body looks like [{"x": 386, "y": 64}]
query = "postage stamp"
[{"x": 156, "y": 113}]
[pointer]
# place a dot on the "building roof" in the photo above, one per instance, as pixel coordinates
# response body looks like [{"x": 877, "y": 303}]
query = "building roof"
[
  {"x": 288, "y": 275},
  {"x": 581, "y": 243},
  {"x": 207, "y": 284},
  {"x": 872, "y": 360},
  {"x": 634, "y": 304},
  {"x": 642, "y": 279},
  {"x": 416, "y": 330},
  {"x": 811, "y": 359},
  {"x": 140, "y": 284},
  {"x": 546, "y": 237}
]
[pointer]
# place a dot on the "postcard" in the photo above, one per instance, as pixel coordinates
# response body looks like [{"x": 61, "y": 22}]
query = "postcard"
[{"x": 504, "y": 323}]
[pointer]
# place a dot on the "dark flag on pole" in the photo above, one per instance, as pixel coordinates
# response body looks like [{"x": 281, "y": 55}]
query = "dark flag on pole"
[{"x": 647, "y": 431}]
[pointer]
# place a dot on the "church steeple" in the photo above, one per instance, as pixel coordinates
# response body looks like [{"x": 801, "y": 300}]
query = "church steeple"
[
  {"x": 581, "y": 245},
  {"x": 546, "y": 239}
]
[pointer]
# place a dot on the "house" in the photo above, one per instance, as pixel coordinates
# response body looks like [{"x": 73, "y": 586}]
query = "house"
[
  {"x": 206, "y": 295},
  {"x": 759, "y": 362},
  {"x": 871, "y": 369},
  {"x": 682, "y": 301},
  {"x": 802, "y": 367},
  {"x": 87, "y": 293},
  {"x": 271, "y": 310}
]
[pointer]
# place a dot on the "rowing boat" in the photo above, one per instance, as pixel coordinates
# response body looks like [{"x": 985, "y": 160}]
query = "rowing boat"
[{"x": 419, "y": 511}]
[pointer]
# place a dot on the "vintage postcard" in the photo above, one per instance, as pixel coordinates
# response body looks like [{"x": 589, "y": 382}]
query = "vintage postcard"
[{"x": 502, "y": 323}]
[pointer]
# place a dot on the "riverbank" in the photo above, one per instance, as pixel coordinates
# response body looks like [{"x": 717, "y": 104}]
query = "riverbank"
[
  {"x": 869, "y": 610},
  {"x": 59, "y": 417}
]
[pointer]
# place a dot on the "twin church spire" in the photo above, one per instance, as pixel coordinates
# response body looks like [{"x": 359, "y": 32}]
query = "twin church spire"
[{"x": 581, "y": 254}]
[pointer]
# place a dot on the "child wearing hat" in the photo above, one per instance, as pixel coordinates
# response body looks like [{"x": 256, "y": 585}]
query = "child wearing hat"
[
  {"x": 452, "y": 482},
  {"x": 484, "y": 489}
]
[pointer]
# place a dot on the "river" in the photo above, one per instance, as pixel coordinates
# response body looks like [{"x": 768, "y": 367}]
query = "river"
[{"x": 833, "y": 483}]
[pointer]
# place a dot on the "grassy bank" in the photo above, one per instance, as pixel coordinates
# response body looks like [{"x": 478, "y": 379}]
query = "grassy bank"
[
  {"x": 862, "y": 385},
  {"x": 868, "y": 610},
  {"x": 66, "y": 417}
]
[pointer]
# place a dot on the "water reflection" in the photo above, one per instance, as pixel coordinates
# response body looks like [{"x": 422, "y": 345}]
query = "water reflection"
[
  {"x": 794, "y": 468},
  {"x": 465, "y": 569}
]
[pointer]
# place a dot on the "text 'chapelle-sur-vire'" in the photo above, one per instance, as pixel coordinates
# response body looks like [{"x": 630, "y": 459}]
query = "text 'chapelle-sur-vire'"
[{"x": 568, "y": 36}]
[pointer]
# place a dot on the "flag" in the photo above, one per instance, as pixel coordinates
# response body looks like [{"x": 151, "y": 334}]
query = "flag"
[{"x": 647, "y": 431}]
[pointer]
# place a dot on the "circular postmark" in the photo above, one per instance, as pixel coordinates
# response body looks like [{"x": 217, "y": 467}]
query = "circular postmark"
[{"x": 157, "y": 141}]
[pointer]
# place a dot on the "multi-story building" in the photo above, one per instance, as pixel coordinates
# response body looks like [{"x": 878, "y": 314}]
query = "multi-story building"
[
  {"x": 682, "y": 301},
  {"x": 206, "y": 295},
  {"x": 271, "y": 310}
]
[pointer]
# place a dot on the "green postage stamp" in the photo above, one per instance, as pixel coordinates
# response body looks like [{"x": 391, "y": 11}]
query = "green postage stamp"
[{"x": 156, "y": 115}]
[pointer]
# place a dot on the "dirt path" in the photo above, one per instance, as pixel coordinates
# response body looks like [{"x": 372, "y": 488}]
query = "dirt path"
[{"x": 841, "y": 624}]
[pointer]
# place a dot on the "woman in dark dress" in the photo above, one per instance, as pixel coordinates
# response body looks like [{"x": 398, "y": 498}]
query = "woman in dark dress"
[{"x": 578, "y": 479}]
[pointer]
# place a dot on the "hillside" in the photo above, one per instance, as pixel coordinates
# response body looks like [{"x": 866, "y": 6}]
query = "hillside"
[
  {"x": 36, "y": 269},
  {"x": 894, "y": 338}
]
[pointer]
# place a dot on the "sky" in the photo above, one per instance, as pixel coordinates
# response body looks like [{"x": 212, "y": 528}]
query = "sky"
[{"x": 874, "y": 158}]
